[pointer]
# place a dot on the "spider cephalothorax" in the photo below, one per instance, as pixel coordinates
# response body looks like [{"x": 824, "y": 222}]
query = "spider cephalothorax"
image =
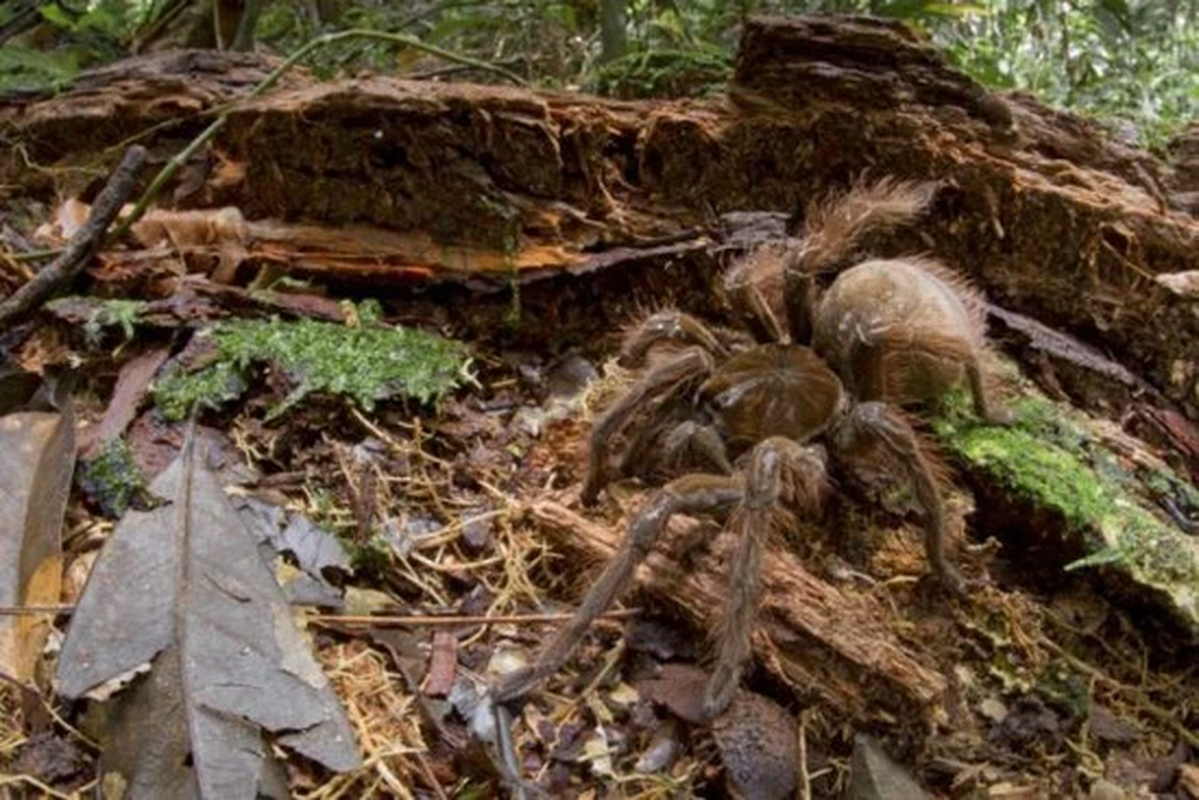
[{"x": 733, "y": 417}]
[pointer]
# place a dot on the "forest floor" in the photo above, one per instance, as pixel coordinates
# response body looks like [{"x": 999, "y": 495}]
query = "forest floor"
[
  {"x": 418, "y": 500},
  {"x": 465, "y": 508}
]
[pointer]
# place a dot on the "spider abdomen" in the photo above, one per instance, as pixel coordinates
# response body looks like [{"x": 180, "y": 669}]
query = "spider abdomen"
[
  {"x": 925, "y": 323},
  {"x": 773, "y": 390}
]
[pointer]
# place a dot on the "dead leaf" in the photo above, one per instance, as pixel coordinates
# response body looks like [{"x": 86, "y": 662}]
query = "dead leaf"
[
  {"x": 316, "y": 551},
  {"x": 183, "y": 588},
  {"x": 1188, "y": 779},
  {"x": 663, "y": 749},
  {"x": 680, "y": 688},
  {"x": 184, "y": 229},
  {"x": 443, "y": 665},
  {"x": 131, "y": 388},
  {"x": 1029, "y": 724},
  {"x": 1006, "y": 790},
  {"x": 37, "y": 460},
  {"x": 598, "y": 752},
  {"x": 1107, "y": 727},
  {"x": 1183, "y": 284},
  {"x": 875, "y": 776},
  {"x": 220, "y": 231},
  {"x": 52, "y": 757},
  {"x": 68, "y": 219},
  {"x": 17, "y": 385}
]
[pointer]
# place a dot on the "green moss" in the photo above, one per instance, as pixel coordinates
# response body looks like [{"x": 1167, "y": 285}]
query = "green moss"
[
  {"x": 365, "y": 363},
  {"x": 113, "y": 313},
  {"x": 113, "y": 481},
  {"x": 1064, "y": 689},
  {"x": 1032, "y": 459},
  {"x": 178, "y": 392},
  {"x": 1049, "y": 458}
]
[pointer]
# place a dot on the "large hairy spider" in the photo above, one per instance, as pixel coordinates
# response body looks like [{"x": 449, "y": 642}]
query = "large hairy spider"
[{"x": 733, "y": 417}]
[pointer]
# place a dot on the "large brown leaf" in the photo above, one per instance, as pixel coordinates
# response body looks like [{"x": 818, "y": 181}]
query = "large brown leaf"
[
  {"x": 37, "y": 459},
  {"x": 184, "y": 589}
]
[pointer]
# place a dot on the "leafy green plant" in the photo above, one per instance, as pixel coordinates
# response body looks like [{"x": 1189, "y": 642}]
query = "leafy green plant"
[
  {"x": 1135, "y": 62},
  {"x": 23, "y": 68},
  {"x": 62, "y": 39},
  {"x": 1132, "y": 61},
  {"x": 676, "y": 73},
  {"x": 113, "y": 313}
]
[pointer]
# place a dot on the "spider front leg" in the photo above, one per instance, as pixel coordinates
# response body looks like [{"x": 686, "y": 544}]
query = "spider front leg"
[
  {"x": 659, "y": 385},
  {"x": 780, "y": 474},
  {"x": 870, "y": 430},
  {"x": 690, "y": 494}
]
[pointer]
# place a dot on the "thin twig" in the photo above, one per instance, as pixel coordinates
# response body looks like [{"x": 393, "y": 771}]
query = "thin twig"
[
  {"x": 62, "y": 271},
  {"x": 20, "y": 611},
  {"x": 496, "y": 619},
  {"x": 430, "y": 777},
  {"x": 805, "y": 779},
  {"x": 46, "y": 790},
  {"x": 415, "y": 620},
  {"x": 508, "y": 765},
  {"x": 1144, "y": 703}
]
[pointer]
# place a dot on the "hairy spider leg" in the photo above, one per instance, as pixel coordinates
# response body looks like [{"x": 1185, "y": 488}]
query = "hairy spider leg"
[
  {"x": 661, "y": 383},
  {"x": 799, "y": 298},
  {"x": 748, "y": 301},
  {"x": 687, "y": 446},
  {"x": 871, "y": 427},
  {"x": 875, "y": 365},
  {"x": 780, "y": 472},
  {"x": 690, "y": 494}
]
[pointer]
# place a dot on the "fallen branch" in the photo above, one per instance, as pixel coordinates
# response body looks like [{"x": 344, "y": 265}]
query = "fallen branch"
[
  {"x": 60, "y": 273},
  {"x": 815, "y": 638}
]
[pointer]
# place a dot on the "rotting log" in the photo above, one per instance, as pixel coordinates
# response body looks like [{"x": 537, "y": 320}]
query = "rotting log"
[
  {"x": 60, "y": 141},
  {"x": 824, "y": 643},
  {"x": 1047, "y": 212}
]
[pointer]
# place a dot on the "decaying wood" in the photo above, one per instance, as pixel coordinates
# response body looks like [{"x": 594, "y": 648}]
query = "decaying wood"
[
  {"x": 1046, "y": 212},
  {"x": 820, "y": 641}
]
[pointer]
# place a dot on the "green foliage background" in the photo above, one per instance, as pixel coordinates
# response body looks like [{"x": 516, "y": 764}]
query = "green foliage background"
[{"x": 1133, "y": 62}]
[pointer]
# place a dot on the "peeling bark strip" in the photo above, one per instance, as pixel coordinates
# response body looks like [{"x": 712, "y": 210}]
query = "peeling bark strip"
[
  {"x": 1045, "y": 212},
  {"x": 809, "y": 635}
]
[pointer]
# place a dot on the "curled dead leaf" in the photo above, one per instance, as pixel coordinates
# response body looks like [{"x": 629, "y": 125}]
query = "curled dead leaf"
[{"x": 37, "y": 461}]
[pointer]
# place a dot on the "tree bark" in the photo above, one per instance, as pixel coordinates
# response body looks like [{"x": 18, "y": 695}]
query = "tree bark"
[{"x": 1042, "y": 209}]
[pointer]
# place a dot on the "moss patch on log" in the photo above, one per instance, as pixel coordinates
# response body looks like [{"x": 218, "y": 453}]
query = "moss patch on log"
[
  {"x": 1055, "y": 459},
  {"x": 366, "y": 363}
]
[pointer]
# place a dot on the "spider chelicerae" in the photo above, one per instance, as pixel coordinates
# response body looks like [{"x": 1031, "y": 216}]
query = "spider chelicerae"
[{"x": 732, "y": 418}]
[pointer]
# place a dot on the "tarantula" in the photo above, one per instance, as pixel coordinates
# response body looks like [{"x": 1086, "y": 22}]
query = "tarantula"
[{"x": 736, "y": 415}]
